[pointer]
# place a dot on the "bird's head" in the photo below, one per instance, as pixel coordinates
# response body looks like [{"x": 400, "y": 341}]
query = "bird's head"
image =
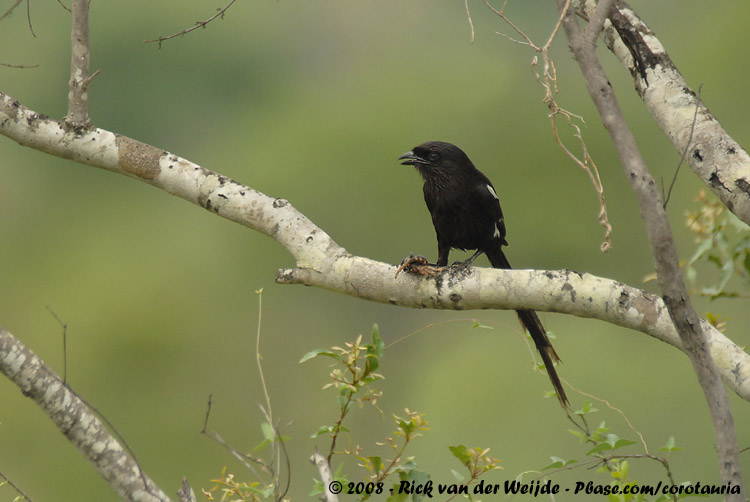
[{"x": 434, "y": 155}]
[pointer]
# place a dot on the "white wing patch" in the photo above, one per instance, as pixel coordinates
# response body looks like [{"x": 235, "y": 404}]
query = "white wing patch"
[{"x": 492, "y": 191}]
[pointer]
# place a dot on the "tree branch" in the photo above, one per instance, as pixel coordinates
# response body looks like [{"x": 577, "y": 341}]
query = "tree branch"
[
  {"x": 663, "y": 249},
  {"x": 324, "y": 471},
  {"x": 71, "y": 415},
  {"x": 323, "y": 263},
  {"x": 717, "y": 159},
  {"x": 78, "y": 98}
]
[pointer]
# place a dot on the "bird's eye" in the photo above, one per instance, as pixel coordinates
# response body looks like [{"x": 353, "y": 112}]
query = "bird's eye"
[{"x": 434, "y": 156}]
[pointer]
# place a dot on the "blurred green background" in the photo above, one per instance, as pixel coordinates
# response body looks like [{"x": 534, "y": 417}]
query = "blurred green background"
[{"x": 313, "y": 102}]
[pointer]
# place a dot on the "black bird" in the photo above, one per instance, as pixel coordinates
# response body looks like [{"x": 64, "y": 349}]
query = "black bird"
[{"x": 466, "y": 213}]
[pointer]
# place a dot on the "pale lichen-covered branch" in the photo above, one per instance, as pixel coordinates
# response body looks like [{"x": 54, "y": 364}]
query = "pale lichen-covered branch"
[
  {"x": 321, "y": 262},
  {"x": 714, "y": 156},
  {"x": 74, "y": 418}
]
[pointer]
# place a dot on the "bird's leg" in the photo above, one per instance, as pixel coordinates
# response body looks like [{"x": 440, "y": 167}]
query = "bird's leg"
[
  {"x": 466, "y": 263},
  {"x": 419, "y": 265}
]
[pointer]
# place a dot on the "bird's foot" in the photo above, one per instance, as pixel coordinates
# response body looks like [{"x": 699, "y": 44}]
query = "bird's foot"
[
  {"x": 462, "y": 265},
  {"x": 418, "y": 265}
]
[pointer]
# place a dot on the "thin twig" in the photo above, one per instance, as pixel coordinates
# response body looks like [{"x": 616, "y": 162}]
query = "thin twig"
[
  {"x": 28, "y": 17},
  {"x": 560, "y": 18},
  {"x": 685, "y": 151},
  {"x": 258, "y": 358},
  {"x": 288, "y": 466},
  {"x": 242, "y": 457},
  {"x": 10, "y": 10},
  {"x": 548, "y": 80},
  {"x": 20, "y": 66},
  {"x": 65, "y": 344},
  {"x": 615, "y": 409},
  {"x": 15, "y": 487},
  {"x": 468, "y": 16},
  {"x": 198, "y": 24}
]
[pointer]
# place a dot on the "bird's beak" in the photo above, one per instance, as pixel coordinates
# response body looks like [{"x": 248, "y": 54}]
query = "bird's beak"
[{"x": 410, "y": 159}]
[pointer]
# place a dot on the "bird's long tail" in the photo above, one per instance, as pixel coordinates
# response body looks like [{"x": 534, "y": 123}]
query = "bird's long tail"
[{"x": 531, "y": 322}]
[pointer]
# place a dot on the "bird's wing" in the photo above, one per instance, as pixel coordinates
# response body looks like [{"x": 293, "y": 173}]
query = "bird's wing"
[{"x": 487, "y": 197}]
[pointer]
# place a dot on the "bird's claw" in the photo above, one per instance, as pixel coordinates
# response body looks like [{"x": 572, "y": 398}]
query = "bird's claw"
[{"x": 418, "y": 265}]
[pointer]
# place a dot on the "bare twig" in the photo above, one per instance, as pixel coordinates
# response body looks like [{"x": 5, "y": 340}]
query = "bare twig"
[
  {"x": 685, "y": 151},
  {"x": 10, "y": 10},
  {"x": 28, "y": 17},
  {"x": 548, "y": 80},
  {"x": 65, "y": 343},
  {"x": 468, "y": 16},
  {"x": 245, "y": 458},
  {"x": 258, "y": 357},
  {"x": 16, "y": 488},
  {"x": 21, "y": 66},
  {"x": 199, "y": 24}
]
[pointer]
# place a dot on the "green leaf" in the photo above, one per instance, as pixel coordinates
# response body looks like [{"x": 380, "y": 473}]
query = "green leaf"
[
  {"x": 586, "y": 409},
  {"x": 612, "y": 442},
  {"x": 622, "y": 442},
  {"x": 325, "y": 429},
  {"x": 459, "y": 477},
  {"x": 378, "y": 346},
  {"x": 479, "y": 325},
  {"x": 268, "y": 431},
  {"x": 261, "y": 445},
  {"x": 461, "y": 453},
  {"x": 377, "y": 464},
  {"x": 558, "y": 462},
  {"x": 318, "y": 352},
  {"x": 670, "y": 446}
]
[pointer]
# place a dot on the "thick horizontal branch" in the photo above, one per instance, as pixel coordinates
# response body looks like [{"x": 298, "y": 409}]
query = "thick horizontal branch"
[
  {"x": 95, "y": 147},
  {"x": 563, "y": 291},
  {"x": 717, "y": 159},
  {"x": 323, "y": 263},
  {"x": 71, "y": 415}
]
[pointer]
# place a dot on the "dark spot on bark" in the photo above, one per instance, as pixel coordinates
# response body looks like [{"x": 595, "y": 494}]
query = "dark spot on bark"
[
  {"x": 223, "y": 196},
  {"x": 570, "y": 289},
  {"x": 697, "y": 155},
  {"x": 731, "y": 150},
  {"x": 624, "y": 299},
  {"x": 715, "y": 181},
  {"x": 455, "y": 298},
  {"x": 280, "y": 203},
  {"x": 743, "y": 185}
]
